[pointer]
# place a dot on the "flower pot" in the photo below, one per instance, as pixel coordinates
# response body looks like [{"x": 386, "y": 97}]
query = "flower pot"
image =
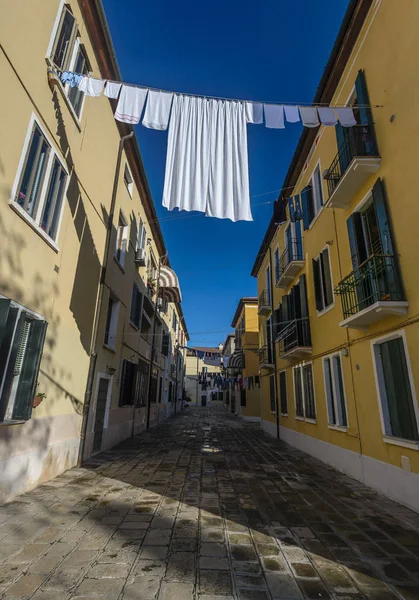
[{"x": 37, "y": 401}]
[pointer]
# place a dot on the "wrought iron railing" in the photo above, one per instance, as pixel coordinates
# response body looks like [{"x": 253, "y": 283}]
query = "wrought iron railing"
[
  {"x": 294, "y": 334},
  {"x": 293, "y": 251},
  {"x": 266, "y": 355},
  {"x": 377, "y": 279},
  {"x": 359, "y": 141},
  {"x": 265, "y": 299}
]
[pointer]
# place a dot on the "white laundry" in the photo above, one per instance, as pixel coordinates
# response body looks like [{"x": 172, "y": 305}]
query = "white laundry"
[
  {"x": 291, "y": 114},
  {"x": 157, "y": 110},
  {"x": 254, "y": 112},
  {"x": 327, "y": 115},
  {"x": 91, "y": 86},
  {"x": 130, "y": 104},
  {"x": 346, "y": 116},
  {"x": 112, "y": 89},
  {"x": 309, "y": 116},
  {"x": 274, "y": 116},
  {"x": 207, "y": 164}
]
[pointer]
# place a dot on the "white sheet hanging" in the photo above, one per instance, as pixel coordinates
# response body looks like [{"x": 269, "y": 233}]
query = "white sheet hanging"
[
  {"x": 291, "y": 114},
  {"x": 254, "y": 112},
  {"x": 327, "y": 115},
  {"x": 91, "y": 86},
  {"x": 346, "y": 116},
  {"x": 130, "y": 104},
  {"x": 157, "y": 110},
  {"x": 207, "y": 164},
  {"x": 274, "y": 116},
  {"x": 112, "y": 89},
  {"x": 309, "y": 116}
]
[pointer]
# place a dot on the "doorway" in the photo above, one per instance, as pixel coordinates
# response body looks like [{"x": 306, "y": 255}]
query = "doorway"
[{"x": 101, "y": 401}]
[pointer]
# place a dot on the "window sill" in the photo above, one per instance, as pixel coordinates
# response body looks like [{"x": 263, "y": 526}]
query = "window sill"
[
  {"x": 134, "y": 326},
  {"x": 61, "y": 87},
  {"x": 121, "y": 266},
  {"x": 284, "y": 414},
  {"x": 338, "y": 428},
  {"x": 300, "y": 418},
  {"x": 109, "y": 348},
  {"x": 9, "y": 422},
  {"x": 400, "y": 442},
  {"x": 315, "y": 218},
  {"x": 311, "y": 421},
  {"x": 320, "y": 313},
  {"x": 22, "y": 213}
]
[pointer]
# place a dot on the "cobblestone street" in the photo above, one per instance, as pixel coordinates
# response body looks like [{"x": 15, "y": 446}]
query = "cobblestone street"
[{"x": 206, "y": 507}]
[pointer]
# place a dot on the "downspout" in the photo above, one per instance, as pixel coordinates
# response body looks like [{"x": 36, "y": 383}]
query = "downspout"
[
  {"x": 176, "y": 365},
  {"x": 273, "y": 343},
  {"x": 93, "y": 353},
  {"x": 153, "y": 346}
]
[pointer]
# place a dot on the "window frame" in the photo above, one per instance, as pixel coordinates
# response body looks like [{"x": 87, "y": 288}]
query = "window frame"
[
  {"x": 318, "y": 209},
  {"x": 380, "y": 387},
  {"x": 128, "y": 181},
  {"x": 113, "y": 323},
  {"x": 303, "y": 417},
  {"x": 272, "y": 398},
  {"x": 136, "y": 289},
  {"x": 122, "y": 252},
  {"x": 277, "y": 262},
  {"x": 141, "y": 235},
  {"x": 34, "y": 222},
  {"x": 317, "y": 258},
  {"x": 54, "y": 36},
  {"x": 268, "y": 281},
  {"x": 338, "y": 425},
  {"x": 283, "y": 414},
  {"x": 78, "y": 47}
]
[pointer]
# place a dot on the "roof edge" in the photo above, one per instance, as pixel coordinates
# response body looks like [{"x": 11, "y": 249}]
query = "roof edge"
[{"x": 242, "y": 302}]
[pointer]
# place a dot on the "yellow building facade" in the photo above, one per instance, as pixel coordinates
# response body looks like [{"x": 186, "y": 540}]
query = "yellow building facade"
[
  {"x": 86, "y": 334},
  {"x": 336, "y": 281},
  {"x": 245, "y": 360},
  {"x": 202, "y": 364}
]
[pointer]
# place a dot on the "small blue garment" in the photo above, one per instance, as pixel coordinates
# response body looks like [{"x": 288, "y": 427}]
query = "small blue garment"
[
  {"x": 64, "y": 76},
  {"x": 73, "y": 79}
]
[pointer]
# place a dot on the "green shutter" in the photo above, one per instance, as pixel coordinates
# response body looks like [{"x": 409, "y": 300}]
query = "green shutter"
[
  {"x": 25, "y": 392},
  {"x": 4, "y": 314},
  {"x": 381, "y": 212},
  {"x": 303, "y": 296},
  {"x": 317, "y": 284},
  {"x": 283, "y": 392},
  {"x": 8, "y": 318},
  {"x": 14, "y": 341},
  {"x": 305, "y": 206},
  {"x": 399, "y": 395},
  {"x": 354, "y": 226},
  {"x": 365, "y": 111},
  {"x": 327, "y": 278}
]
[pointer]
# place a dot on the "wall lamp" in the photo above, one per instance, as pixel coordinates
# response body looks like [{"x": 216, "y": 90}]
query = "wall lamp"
[{"x": 110, "y": 370}]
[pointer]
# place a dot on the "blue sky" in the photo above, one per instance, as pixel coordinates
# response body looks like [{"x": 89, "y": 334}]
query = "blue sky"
[{"x": 271, "y": 50}]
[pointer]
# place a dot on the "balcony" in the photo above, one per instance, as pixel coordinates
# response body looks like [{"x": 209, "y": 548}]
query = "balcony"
[
  {"x": 295, "y": 339},
  {"x": 265, "y": 303},
  {"x": 290, "y": 263},
  {"x": 266, "y": 357},
  {"x": 372, "y": 292},
  {"x": 356, "y": 160}
]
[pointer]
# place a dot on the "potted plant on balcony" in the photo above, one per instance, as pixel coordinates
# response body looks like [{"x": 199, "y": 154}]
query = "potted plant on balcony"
[
  {"x": 38, "y": 399},
  {"x": 151, "y": 286}
]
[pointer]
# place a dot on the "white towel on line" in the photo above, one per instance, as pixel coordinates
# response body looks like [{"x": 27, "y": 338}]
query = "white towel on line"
[
  {"x": 291, "y": 114},
  {"x": 207, "y": 164},
  {"x": 157, "y": 110},
  {"x": 274, "y": 116},
  {"x": 346, "y": 116},
  {"x": 309, "y": 116},
  {"x": 254, "y": 112},
  {"x": 327, "y": 115},
  {"x": 112, "y": 89},
  {"x": 91, "y": 86},
  {"x": 130, "y": 104}
]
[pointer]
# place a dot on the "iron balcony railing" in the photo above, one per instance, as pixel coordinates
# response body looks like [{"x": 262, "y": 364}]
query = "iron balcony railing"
[
  {"x": 294, "y": 334},
  {"x": 265, "y": 299},
  {"x": 293, "y": 251},
  {"x": 359, "y": 141},
  {"x": 376, "y": 279},
  {"x": 266, "y": 355}
]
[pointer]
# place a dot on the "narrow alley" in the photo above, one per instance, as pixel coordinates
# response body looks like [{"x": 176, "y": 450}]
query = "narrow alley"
[{"x": 206, "y": 507}]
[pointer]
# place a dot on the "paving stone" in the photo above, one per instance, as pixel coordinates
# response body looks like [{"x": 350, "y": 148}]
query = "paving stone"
[
  {"x": 213, "y": 549},
  {"x": 243, "y": 553},
  {"x": 245, "y": 594},
  {"x": 157, "y": 537},
  {"x": 238, "y": 538},
  {"x": 100, "y": 587},
  {"x": 176, "y": 591},
  {"x": 152, "y": 568},
  {"x": 211, "y": 562},
  {"x": 25, "y": 586},
  {"x": 250, "y": 581},
  {"x": 212, "y": 535},
  {"x": 148, "y": 587},
  {"x": 104, "y": 571},
  {"x": 251, "y": 568},
  {"x": 29, "y": 553},
  {"x": 181, "y": 567},
  {"x": 154, "y": 552},
  {"x": 282, "y": 586},
  {"x": 274, "y": 563},
  {"x": 9, "y": 573},
  {"x": 213, "y": 582}
]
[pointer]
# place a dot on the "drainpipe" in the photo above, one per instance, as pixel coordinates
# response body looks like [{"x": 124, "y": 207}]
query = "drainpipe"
[
  {"x": 176, "y": 365},
  {"x": 93, "y": 353},
  {"x": 274, "y": 345}
]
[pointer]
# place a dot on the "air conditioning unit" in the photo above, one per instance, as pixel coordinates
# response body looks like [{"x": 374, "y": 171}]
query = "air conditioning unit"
[
  {"x": 159, "y": 303},
  {"x": 140, "y": 258}
]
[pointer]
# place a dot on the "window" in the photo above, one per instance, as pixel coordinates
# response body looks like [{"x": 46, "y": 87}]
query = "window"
[
  {"x": 312, "y": 197},
  {"x": 142, "y": 236},
  {"x": 133, "y": 388},
  {"x": 395, "y": 389},
  {"x": 41, "y": 183},
  {"x": 128, "y": 180},
  {"x": 174, "y": 322},
  {"x": 268, "y": 286},
  {"x": 322, "y": 280},
  {"x": 335, "y": 394},
  {"x": 121, "y": 240},
  {"x": 136, "y": 306},
  {"x": 165, "y": 344},
  {"x": 276, "y": 263},
  {"x": 272, "y": 393},
  {"x": 283, "y": 392},
  {"x": 64, "y": 40},
  {"x": 22, "y": 336},
  {"x": 75, "y": 96},
  {"x": 305, "y": 407},
  {"x": 147, "y": 319},
  {"x": 111, "y": 323}
]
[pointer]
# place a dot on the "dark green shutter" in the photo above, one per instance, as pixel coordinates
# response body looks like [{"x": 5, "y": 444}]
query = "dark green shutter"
[
  {"x": 399, "y": 395},
  {"x": 25, "y": 393},
  {"x": 317, "y": 284},
  {"x": 383, "y": 220},
  {"x": 354, "y": 226},
  {"x": 4, "y": 314},
  {"x": 303, "y": 296},
  {"x": 8, "y": 375},
  {"x": 365, "y": 113},
  {"x": 8, "y": 318},
  {"x": 327, "y": 278},
  {"x": 306, "y": 210},
  {"x": 283, "y": 392},
  {"x": 133, "y": 311},
  {"x": 165, "y": 344}
]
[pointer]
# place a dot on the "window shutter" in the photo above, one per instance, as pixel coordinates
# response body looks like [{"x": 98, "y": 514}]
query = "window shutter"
[
  {"x": 327, "y": 277},
  {"x": 317, "y": 284},
  {"x": 30, "y": 368},
  {"x": 279, "y": 211},
  {"x": 4, "y": 315},
  {"x": 303, "y": 296},
  {"x": 284, "y": 311},
  {"x": 165, "y": 344},
  {"x": 133, "y": 310},
  {"x": 354, "y": 226},
  {"x": 365, "y": 111},
  {"x": 340, "y": 137},
  {"x": 384, "y": 225},
  {"x": 299, "y": 241},
  {"x": 306, "y": 214}
]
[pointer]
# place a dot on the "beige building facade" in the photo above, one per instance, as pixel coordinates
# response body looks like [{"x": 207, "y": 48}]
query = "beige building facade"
[
  {"x": 87, "y": 334},
  {"x": 202, "y": 364}
]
